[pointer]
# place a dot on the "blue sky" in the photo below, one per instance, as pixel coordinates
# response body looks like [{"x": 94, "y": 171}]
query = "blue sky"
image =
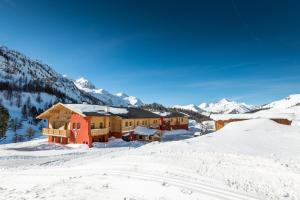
[{"x": 171, "y": 52}]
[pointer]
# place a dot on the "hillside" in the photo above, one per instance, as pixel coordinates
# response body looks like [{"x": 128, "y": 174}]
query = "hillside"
[
  {"x": 19, "y": 73},
  {"x": 290, "y": 101}
]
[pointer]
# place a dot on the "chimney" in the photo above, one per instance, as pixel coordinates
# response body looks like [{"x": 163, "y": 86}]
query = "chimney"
[{"x": 107, "y": 109}]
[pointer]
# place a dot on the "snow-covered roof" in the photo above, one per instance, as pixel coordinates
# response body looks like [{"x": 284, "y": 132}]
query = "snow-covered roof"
[
  {"x": 258, "y": 115},
  {"x": 163, "y": 114},
  {"x": 145, "y": 131},
  {"x": 87, "y": 108}
]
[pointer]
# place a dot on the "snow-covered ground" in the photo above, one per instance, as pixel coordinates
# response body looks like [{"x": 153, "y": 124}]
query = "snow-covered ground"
[{"x": 253, "y": 159}]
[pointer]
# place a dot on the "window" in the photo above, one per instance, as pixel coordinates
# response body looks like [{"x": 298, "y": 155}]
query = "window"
[
  {"x": 101, "y": 125},
  {"x": 145, "y": 122},
  {"x": 92, "y": 126},
  {"x": 78, "y": 125},
  {"x": 181, "y": 119},
  {"x": 130, "y": 123},
  {"x": 140, "y": 137},
  {"x": 126, "y": 124},
  {"x": 137, "y": 123}
]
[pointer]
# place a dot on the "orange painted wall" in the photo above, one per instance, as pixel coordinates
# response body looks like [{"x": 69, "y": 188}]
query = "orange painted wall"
[{"x": 83, "y": 134}]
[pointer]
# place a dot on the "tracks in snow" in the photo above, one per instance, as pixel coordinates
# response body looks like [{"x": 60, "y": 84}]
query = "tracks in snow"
[{"x": 188, "y": 186}]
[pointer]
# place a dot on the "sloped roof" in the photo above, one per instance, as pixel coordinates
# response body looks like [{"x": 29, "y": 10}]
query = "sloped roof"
[
  {"x": 139, "y": 130},
  {"x": 135, "y": 113},
  {"x": 97, "y": 110},
  {"x": 176, "y": 114}
]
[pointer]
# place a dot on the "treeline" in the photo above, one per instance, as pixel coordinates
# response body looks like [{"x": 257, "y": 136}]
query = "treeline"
[{"x": 32, "y": 86}]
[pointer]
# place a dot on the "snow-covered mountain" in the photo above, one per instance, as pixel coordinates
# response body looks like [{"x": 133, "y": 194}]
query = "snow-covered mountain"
[
  {"x": 131, "y": 100},
  {"x": 21, "y": 73},
  {"x": 191, "y": 107},
  {"x": 225, "y": 106},
  {"x": 290, "y": 101},
  {"x": 119, "y": 99}
]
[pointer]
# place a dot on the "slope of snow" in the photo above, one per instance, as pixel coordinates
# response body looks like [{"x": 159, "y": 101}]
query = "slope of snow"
[
  {"x": 253, "y": 159},
  {"x": 191, "y": 107},
  {"x": 15, "y": 112},
  {"x": 288, "y": 102},
  {"x": 110, "y": 99},
  {"x": 225, "y": 106}
]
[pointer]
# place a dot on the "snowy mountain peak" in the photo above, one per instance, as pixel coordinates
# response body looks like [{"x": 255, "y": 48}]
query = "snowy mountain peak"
[
  {"x": 122, "y": 95},
  {"x": 120, "y": 99},
  {"x": 225, "y": 106},
  {"x": 223, "y": 101},
  {"x": 84, "y": 83}
]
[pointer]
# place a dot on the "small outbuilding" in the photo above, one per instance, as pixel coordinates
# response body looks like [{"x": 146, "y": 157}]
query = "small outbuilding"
[{"x": 146, "y": 134}]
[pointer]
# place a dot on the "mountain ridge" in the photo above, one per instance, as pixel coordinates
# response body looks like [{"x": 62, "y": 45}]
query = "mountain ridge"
[{"x": 119, "y": 99}]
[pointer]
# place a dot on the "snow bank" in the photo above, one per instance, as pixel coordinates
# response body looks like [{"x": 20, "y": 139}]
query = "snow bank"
[{"x": 262, "y": 115}]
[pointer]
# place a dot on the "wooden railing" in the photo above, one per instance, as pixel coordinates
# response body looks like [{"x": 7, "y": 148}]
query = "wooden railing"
[
  {"x": 131, "y": 128},
  {"x": 99, "y": 132},
  {"x": 153, "y": 126},
  {"x": 56, "y": 132},
  {"x": 128, "y": 128}
]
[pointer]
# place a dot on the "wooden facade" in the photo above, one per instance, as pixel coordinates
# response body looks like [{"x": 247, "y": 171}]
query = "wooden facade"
[
  {"x": 174, "y": 121},
  {"x": 67, "y": 125}
]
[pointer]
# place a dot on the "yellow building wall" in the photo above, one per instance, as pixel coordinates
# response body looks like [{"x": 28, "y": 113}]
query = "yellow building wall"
[
  {"x": 179, "y": 120},
  {"x": 147, "y": 122},
  {"x": 115, "y": 124},
  {"x": 97, "y": 120}
]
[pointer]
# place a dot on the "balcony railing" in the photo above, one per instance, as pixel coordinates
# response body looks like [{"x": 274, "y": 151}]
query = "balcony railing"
[
  {"x": 99, "y": 132},
  {"x": 56, "y": 132},
  {"x": 127, "y": 128},
  {"x": 131, "y": 128}
]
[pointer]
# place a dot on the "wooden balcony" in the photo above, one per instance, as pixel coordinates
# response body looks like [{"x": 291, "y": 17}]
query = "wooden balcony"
[
  {"x": 56, "y": 132},
  {"x": 153, "y": 126},
  {"x": 128, "y": 128},
  {"x": 99, "y": 132}
]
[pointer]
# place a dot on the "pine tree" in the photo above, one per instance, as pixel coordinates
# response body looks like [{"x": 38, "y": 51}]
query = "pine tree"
[
  {"x": 30, "y": 132},
  {"x": 4, "y": 119},
  {"x": 15, "y": 124},
  {"x": 39, "y": 98},
  {"x": 18, "y": 100},
  {"x": 24, "y": 112}
]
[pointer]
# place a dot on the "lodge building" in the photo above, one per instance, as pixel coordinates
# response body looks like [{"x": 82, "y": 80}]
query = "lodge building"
[{"x": 85, "y": 124}]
